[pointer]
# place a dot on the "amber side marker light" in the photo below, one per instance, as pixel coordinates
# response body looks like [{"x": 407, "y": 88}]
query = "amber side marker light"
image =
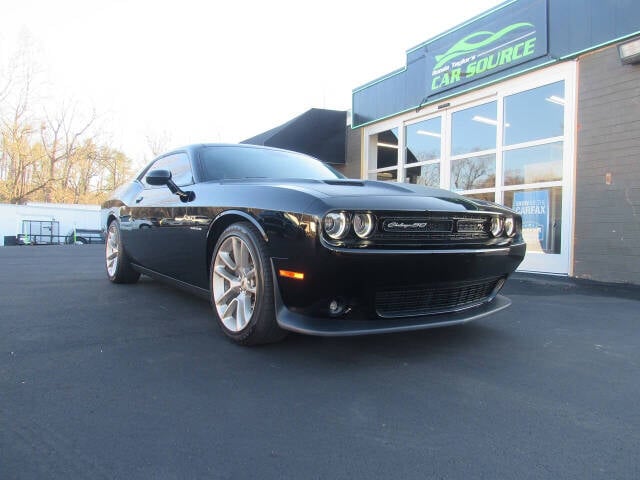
[{"x": 289, "y": 274}]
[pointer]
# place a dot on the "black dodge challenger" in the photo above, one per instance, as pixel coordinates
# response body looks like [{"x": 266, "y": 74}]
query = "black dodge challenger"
[{"x": 279, "y": 241}]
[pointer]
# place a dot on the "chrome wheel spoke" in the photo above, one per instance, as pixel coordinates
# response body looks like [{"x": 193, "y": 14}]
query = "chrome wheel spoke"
[
  {"x": 222, "y": 272},
  {"x": 227, "y": 297},
  {"x": 229, "y": 310},
  {"x": 236, "y": 245},
  {"x": 241, "y": 312},
  {"x": 243, "y": 262},
  {"x": 228, "y": 262}
]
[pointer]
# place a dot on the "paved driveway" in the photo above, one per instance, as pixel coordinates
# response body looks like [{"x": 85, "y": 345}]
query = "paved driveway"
[{"x": 108, "y": 381}]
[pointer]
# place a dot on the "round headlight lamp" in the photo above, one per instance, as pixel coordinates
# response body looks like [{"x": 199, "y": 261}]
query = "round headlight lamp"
[
  {"x": 336, "y": 225},
  {"x": 363, "y": 224},
  {"x": 496, "y": 226},
  {"x": 510, "y": 226}
]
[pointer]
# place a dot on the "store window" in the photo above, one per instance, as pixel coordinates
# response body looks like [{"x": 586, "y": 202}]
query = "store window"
[
  {"x": 384, "y": 158},
  {"x": 423, "y": 152},
  {"x": 473, "y": 150},
  {"x": 541, "y": 163},
  {"x": 473, "y": 173},
  {"x": 474, "y": 129},
  {"x": 428, "y": 175},
  {"x": 534, "y": 114}
]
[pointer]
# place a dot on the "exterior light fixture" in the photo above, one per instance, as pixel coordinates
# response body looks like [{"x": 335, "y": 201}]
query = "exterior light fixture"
[
  {"x": 630, "y": 51},
  {"x": 556, "y": 99},
  {"x": 428, "y": 133},
  {"x": 290, "y": 274},
  {"x": 487, "y": 121}
]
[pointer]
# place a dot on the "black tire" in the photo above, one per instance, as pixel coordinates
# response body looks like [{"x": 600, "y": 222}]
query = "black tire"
[
  {"x": 262, "y": 326},
  {"x": 122, "y": 271},
  {"x": 81, "y": 241}
]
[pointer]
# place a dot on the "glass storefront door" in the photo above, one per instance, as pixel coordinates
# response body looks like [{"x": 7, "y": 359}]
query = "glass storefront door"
[
  {"x": 538, "y": 167},
  {"x": 513, "y": 146}
]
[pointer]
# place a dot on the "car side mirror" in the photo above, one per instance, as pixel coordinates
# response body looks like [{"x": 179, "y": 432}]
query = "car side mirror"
[{"x": 158, "y": 178}]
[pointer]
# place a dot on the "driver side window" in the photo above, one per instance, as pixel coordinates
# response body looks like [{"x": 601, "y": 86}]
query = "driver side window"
[{"x": 179, "y": 166}]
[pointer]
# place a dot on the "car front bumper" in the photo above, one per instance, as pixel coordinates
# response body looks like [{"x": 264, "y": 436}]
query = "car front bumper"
[
  {"x": 333, "y": 327},
  {"x": 363, "y": 281}
]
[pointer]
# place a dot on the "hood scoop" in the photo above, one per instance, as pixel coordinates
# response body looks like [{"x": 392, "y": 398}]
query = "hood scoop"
[{"x": 352, "y": 183}]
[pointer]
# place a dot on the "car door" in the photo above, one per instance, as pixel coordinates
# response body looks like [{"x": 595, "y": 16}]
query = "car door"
[{"x": 161, "y": 223}]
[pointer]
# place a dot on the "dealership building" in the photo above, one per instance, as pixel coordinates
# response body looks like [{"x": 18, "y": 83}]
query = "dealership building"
[{"x": 535, "y": 105}]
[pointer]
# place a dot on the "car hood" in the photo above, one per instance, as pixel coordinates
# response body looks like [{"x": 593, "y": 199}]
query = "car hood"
[{"x": 373, "y": 195}]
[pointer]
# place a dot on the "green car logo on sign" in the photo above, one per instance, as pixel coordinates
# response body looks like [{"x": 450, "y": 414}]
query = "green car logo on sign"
[{"x": 481, "y": 52}]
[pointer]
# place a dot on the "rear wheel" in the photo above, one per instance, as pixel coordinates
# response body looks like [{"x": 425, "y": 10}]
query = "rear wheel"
[
  {"x": 242, "y": 287},
  {"x": 119, "y": 267}
]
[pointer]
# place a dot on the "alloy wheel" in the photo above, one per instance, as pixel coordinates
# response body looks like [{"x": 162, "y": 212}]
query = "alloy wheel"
[
  {"x": 234, "y": 283},
  {"x": 112, "y": 249}
]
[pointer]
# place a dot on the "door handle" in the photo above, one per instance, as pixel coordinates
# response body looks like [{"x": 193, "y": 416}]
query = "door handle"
[{"x": 139, "y": 199}]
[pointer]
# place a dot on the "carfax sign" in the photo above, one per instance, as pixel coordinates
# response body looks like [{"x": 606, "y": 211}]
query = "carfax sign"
[
  {"x": 507, "y": 37},
  {"x": 533, "y": 205}
]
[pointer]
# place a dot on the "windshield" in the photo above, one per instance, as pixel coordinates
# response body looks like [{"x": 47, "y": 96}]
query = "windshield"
[{"x": 228, "y": 162}]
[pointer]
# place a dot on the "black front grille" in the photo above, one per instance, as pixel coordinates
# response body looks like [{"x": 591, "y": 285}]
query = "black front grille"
[
  {"x": 433, "y": 299},
  {"x": 425, "y": 230},
  {"x": 417, "y": 237}
]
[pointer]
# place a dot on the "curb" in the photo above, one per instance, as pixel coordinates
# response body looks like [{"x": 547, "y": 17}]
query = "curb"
[{"x": 579, "y": 286}]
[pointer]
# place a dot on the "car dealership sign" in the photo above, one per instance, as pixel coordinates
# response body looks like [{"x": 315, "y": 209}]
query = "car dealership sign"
[{"x": 508, "y": 37}]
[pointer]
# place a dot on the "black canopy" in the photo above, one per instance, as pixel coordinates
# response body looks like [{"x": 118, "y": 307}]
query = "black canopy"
[{"x": 317, "y": 132}]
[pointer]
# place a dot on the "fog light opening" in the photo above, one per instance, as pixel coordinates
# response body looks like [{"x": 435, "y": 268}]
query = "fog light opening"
[{"x": 338, "y": 307}]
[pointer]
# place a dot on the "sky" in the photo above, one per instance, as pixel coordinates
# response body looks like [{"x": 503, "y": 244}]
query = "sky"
[{"x": 208, "y": 71}]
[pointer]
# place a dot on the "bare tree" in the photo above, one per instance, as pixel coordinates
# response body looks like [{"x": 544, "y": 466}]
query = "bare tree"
[
  {"x": 19, "y": 159},
  {"x": 50, "y": 157},
  {"x": 158, "y": 142},
  {"x": 60, "y": 137},
  {"x": 117, "y": 168}
]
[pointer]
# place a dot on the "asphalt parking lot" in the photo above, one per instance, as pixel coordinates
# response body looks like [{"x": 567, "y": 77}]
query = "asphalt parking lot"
[{"x": 110, "y": 381}]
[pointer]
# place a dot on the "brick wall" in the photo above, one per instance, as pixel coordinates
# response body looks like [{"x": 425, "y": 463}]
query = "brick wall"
[{"x": 607, "y": 228}]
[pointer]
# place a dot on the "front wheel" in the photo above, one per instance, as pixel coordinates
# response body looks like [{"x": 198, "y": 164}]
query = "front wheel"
[
  {"x": 119, "y": 267},
  {"x": 242, "y": 287}
]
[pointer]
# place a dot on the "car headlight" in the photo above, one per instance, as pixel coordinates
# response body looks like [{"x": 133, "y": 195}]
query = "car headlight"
[
  {"x": 510, "y": 226},
  {"x": 336, "y": 225},
  {"x": 496, "y": 226},
  {"x": 363, "y": 224}
]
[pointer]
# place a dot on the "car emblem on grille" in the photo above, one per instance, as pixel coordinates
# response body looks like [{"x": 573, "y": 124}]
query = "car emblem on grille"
[{"x": 395, "y": 226}]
